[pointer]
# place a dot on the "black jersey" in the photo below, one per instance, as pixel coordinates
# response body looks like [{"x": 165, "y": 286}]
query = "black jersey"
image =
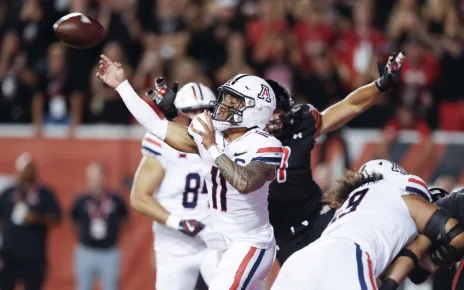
[
  {"x": 454, "y": 203},
  {"x": 294, "y": 195}
]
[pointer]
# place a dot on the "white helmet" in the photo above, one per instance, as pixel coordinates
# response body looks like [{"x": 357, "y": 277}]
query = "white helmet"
[
  {"x": 194, "y": 96},
  {"x": 386, "y": 168},
  {"x": 257, "y": 97}
]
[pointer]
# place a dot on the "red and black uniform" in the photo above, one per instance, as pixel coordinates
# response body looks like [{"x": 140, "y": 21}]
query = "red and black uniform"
[
  {"x": 454, "y": 203},
  {"x": 295, "y": 203}
]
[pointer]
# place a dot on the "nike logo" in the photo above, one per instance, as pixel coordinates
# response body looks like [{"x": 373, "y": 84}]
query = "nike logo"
[
  {"x": 189, "y": 226},
  {"x": 238, "y": 154}
]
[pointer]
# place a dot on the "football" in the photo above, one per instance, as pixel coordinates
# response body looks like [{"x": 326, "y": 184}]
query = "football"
[{"x": 79, "y": 30}]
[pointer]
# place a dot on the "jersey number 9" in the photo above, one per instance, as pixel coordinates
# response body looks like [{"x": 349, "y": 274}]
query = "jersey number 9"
[{"x": 353, "y": 203}]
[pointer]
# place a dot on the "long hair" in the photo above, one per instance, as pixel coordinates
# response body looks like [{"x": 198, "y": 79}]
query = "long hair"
[{"x": 347, "y": 184}]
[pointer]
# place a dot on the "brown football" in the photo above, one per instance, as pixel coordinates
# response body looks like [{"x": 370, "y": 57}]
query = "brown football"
[{"x": 79, "y": 30}]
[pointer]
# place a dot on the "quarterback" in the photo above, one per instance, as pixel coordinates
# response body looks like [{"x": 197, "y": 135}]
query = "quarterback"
[
  {"x": 169, "y": 188},
  {"x": 243, "y": 159}
]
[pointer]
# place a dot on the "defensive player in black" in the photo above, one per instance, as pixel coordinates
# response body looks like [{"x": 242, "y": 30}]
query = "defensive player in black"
[
  {"x": 409, "y": 263},
  {"x": 297, "y": 211}
]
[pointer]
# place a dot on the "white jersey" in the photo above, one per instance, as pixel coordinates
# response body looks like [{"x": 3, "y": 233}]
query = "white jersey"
[
  {"x": 182, "y": 193},
  {"x": 240, "y": 217},
  {"x": 375, "y": 217}
]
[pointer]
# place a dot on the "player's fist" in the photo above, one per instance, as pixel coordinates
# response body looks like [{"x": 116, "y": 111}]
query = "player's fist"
[
  {"x": 111, "y": 73},
  {"x": 389, "y": 75},
  {"x": 191, "y": 227},
  {"x": 165, "y": 98}
]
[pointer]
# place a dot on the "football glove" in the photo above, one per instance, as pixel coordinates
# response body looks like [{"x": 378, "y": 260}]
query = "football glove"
[
  {"x": 389, "y": 75},
  {"x": 189, "y": 227},
  {"x": 164, "y": 98}
]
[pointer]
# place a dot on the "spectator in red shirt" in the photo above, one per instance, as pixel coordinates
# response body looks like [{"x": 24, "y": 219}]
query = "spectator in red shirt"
[
  {"x": 405, "y": 119},
  {"x": 357, "y": 46},
  {"x": 263, "y": 32},
  {"x": 312, "y": 33},
  {"x": 420, "y": 73}
]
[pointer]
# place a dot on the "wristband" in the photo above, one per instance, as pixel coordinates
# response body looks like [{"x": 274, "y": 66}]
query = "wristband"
[
  {"x": 214, "y": 151},
  {"x": 173, "y": 222}
]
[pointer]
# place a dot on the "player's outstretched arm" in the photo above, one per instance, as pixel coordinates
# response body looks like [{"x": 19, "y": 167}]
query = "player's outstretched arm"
[
  {"x": 173, "y": 134},
  {"x": 362, "y": 98},
  {"x": 244, "y": 179}
]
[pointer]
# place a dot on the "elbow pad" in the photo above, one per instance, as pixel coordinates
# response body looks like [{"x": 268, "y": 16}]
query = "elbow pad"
[
  {"x": 389, "y": 284},
  {"x": 418, "y": 275}
]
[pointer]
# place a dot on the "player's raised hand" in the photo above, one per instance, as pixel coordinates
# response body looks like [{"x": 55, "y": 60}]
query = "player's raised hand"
[
  {"x": 111, "y": 73},
  {"x": 208, "y": 135},
  {"x": 389, "y": 74}
]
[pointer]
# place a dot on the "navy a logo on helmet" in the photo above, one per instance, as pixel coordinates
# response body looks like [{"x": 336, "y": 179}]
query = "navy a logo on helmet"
[
  {"x": 264, "y": 93},
  {"x": 397, "y": 168}
]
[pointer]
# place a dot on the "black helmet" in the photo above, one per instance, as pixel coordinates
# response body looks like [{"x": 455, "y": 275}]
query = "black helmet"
[
  {"x": 284, "y": 103},
  {"x": 437, "y": 193}
]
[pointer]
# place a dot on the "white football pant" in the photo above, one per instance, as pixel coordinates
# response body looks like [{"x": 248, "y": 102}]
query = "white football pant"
[{"x": 242, "y": 267}]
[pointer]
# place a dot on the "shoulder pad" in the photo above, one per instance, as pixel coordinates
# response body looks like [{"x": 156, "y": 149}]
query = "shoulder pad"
[
  {"x": 151, "y": 146},
  {"x": 308, "y": 112},
  {"x": 460, "y": 191},
  {"x": 303, "y": 110},
  {"x": 418, "y": 186},
  {"x": 270, "y": 151}
]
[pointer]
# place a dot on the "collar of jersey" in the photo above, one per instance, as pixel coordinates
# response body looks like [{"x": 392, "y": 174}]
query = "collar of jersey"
[{"x": 224, "y": 142}]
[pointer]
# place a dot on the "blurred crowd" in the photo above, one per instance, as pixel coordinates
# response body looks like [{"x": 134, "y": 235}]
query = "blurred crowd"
[{"x": 319, "y": 50}]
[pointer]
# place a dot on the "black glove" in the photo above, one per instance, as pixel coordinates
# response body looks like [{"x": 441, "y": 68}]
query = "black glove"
[
  {"x": 191, "y": 227},
  {"x": 389, "y": 75},
  {"x": 444, "y": 255},
  {"x": 164, "y": 99}
]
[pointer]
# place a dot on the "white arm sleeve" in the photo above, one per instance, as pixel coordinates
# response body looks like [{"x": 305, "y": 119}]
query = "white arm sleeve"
[{"x": 141, "y": 111}]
